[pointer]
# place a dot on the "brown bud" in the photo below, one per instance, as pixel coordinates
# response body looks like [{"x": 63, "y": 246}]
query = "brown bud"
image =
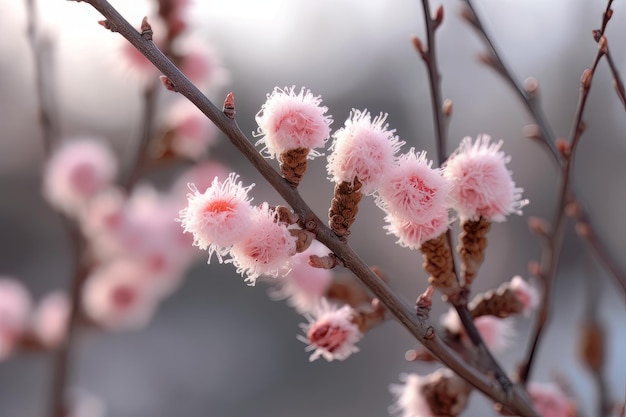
[
  {"x": 603, "y": 44},
  {"x": 532, "y": 131},
  {"x": 417, "y": 44},
  {"x": 534, "y": 268},
  {"x": 229, "y": 105},
  {"x": 531, "y": 85},
  {"x": 146, "y": 29},
  {"x": 303, "y": 239},
  {"x": 585, "y": 79},
  {"x": 539, "y": 226},
  {"x": 446, "y": 108},
  {"x": 573, "y": 209},
  {"x": 592, "y": 346},
  {"x": 325, "y": 262},
  {"x": 438, "y": 16},
  {"x": 168, "y": 84},
  {"x": 563, "y": 147},
  {"x": 583, "y": 230},
  {"x": 107, "y": 25}
]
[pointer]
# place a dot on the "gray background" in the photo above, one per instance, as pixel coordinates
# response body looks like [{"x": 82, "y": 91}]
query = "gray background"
[{"x": 219, "y": 348}]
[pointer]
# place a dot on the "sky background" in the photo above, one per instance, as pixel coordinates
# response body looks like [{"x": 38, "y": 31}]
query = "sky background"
[{"x": 220, "y": 348}]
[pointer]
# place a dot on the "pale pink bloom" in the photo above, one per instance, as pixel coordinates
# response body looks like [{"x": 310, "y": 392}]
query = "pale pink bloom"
[
  {"x": 482, "y": 185},
  {"x": 289, "y": 121},
  {"x": 201, "y": 63},
  {"x": 330, "y": 332},
  {"x": 550, "y": 401},
  {"x": 15, "y": 309},
  {"x": 497, "y": 333},
  {"x": 192, "y": 132},
  {"x": 266, "y": 246},
  {"x": 201, "y": 175},
  {"x": 410, "y": 401},
  {"x": 413, "y": 190},
  {"x": 117, "y": 297},
  {"x": 102, "y": 220},
  {"x": 363, "y": 149},
  {"x": 137, "y": 64},
  {"x": 76, "y": 172},
  {"x": 50, "y": 319},
  {"x": 526, "y": 293},
  {"x": 411, "y": 234},
  {"x": 218, "y": 217},
  {"x": 304, "y": 286}
]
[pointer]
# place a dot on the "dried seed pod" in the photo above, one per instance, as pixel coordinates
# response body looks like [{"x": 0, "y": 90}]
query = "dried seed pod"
[
  {"x": 471, "y": 248},
  {"x": 293, "y": 164},
  {"x": 344, "y": 207},
  {"x": 439, "y": 263}
]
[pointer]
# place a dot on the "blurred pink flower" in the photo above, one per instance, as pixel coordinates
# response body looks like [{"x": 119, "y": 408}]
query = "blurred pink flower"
[
  {"x": 15, "y": 309},
  {"x": 363, "y": 148},
  {"x": 304, "y": 286},
  {"x": 482, "y": 185},
  {"x": 413, "y": 190},
  {"x": 50, "y": 319},
  {"x": 265, "y": 248},
  {"x": 330, "y": 332},
  {"x": 410, "y": 401},
  {"x": 290, "y": 121},
  {"x": 526, "y": 293},
  {"x": 76, "y": 172},
  {"x": 193, "y": 133},
  {"x": 411, "y": 234},
  {"x": 219, "y": 216},
  {"x": 497, "y": 333},
  {"x": 201, "y": 63},
  {"x": 117, "y": 297},
  {"x": 201, "y": 175},
  {"x": 550, "y": 401}
]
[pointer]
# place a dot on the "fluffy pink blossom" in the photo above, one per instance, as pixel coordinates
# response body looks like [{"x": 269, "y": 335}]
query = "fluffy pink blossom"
[
  {"x": 482, "y": 185},
  {"x": 497, "y": 333},
  {"x": 117, "y": 297},
  {"x": 330, "y": 332},
  {"x": 192, "y": 131},
  {"x": 363, "y": 148},
  {"x": 15, "y": 308},
  {"x": 219, "y": 216},
  {"x": 410, "y": 401},
  {"x": 526, "y": 293},
  {"x": 77, "y": 171},
  {"x": 50, "y": 319},
  {"x": 411, "y": 234},
  {"x": 304, "y": 286},
  {"x": 550, "y": 401},
  {"x": 289, "y": 121},
  {"x": 266, "y": 247},
  {"x": 413, "y": 190}
]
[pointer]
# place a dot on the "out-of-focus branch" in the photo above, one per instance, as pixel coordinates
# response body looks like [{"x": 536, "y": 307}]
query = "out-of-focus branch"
[
  {"x": 421, "y": 329},
  {"x": 617, "y": 80}
]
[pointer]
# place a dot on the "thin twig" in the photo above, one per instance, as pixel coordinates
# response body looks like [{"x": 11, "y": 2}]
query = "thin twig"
[
  {"x": 617, "y": 80},
  {"x": 552, "y": 251},
  {"x": 421, "y": 329}
]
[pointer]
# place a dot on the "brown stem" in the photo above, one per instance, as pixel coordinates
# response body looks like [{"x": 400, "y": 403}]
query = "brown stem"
[
  {"x": 617, "y": 80},
  {"x": 422, "y": 330}
]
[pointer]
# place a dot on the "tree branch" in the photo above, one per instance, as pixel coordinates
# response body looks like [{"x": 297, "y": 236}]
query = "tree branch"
[{"x": 421, "y": 329}]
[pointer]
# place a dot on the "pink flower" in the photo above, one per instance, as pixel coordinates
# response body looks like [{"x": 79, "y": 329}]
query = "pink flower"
[
  {"x": 330, "y": 332},
  {"x": 411, "y": 234},
  {"x": 413, "y": 190},
  {"x": 304, "y": 285},
  {"x": 266, "y": 247},
  {"x": 218, "y": 217},
  {"x": 50, "y": 319},
  {"x": 102, "y": 220},
  {"x": 482, "y": 185},
  {"x": 290, "y": 121},
  {"x": 410, "y": 401},
  {"x": 192, "y": 131},
  {"x": 15, "y": 308},
  {"x": 496, "y": 333},
  {"x": 550, "y": 401},
  {"x": 116, "y": 296},
  {"x": 526, "y": 293},
  {"x": 363, "y": 148},
  {"x": 76, "y": 172}
]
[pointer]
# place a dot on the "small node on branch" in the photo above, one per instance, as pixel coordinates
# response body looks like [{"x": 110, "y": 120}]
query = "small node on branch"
[
  {"x": 419, "y": 47},
  {"x": 424, "y": 302},
  {"x": 564, "y": 148},
  {"x": 229, "y": 106},
  {"x": 303, "y": 239},
  {"x": 285, "y": 215},
  {"x": 583, "y": 230},
  {"x": 146, "y": 29},
  {"x": 438, "y": 17},
  {"x": 446, "y": 107},
  {"x": 585, "y": 79},
  {"x": 107, "y": 25},
  {"x": 531, "y": 85},
  {"x": 168, "y": 84},
  {"x": 534, "y": 269},
  {"x": 487, "y": 59},
  {"x": 603, "y": 45},
  {"x": 420, "y": 354},
  {"x": 573, "y": 209},
  {"x": 468, "y": 15},
  {"x": 539, "y": 226},
  {"x": 325, "y": 262}
]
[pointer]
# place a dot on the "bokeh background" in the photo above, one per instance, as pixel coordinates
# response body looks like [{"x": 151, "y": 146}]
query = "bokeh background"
[{"x": 220, "y": 348}]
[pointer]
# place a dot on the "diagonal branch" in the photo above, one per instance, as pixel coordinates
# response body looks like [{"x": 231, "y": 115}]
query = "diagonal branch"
[{"x": 419, "y": 328}]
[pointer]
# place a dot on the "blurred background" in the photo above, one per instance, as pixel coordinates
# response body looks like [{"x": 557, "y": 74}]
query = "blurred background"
[{"x": 220, "y": 348}]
